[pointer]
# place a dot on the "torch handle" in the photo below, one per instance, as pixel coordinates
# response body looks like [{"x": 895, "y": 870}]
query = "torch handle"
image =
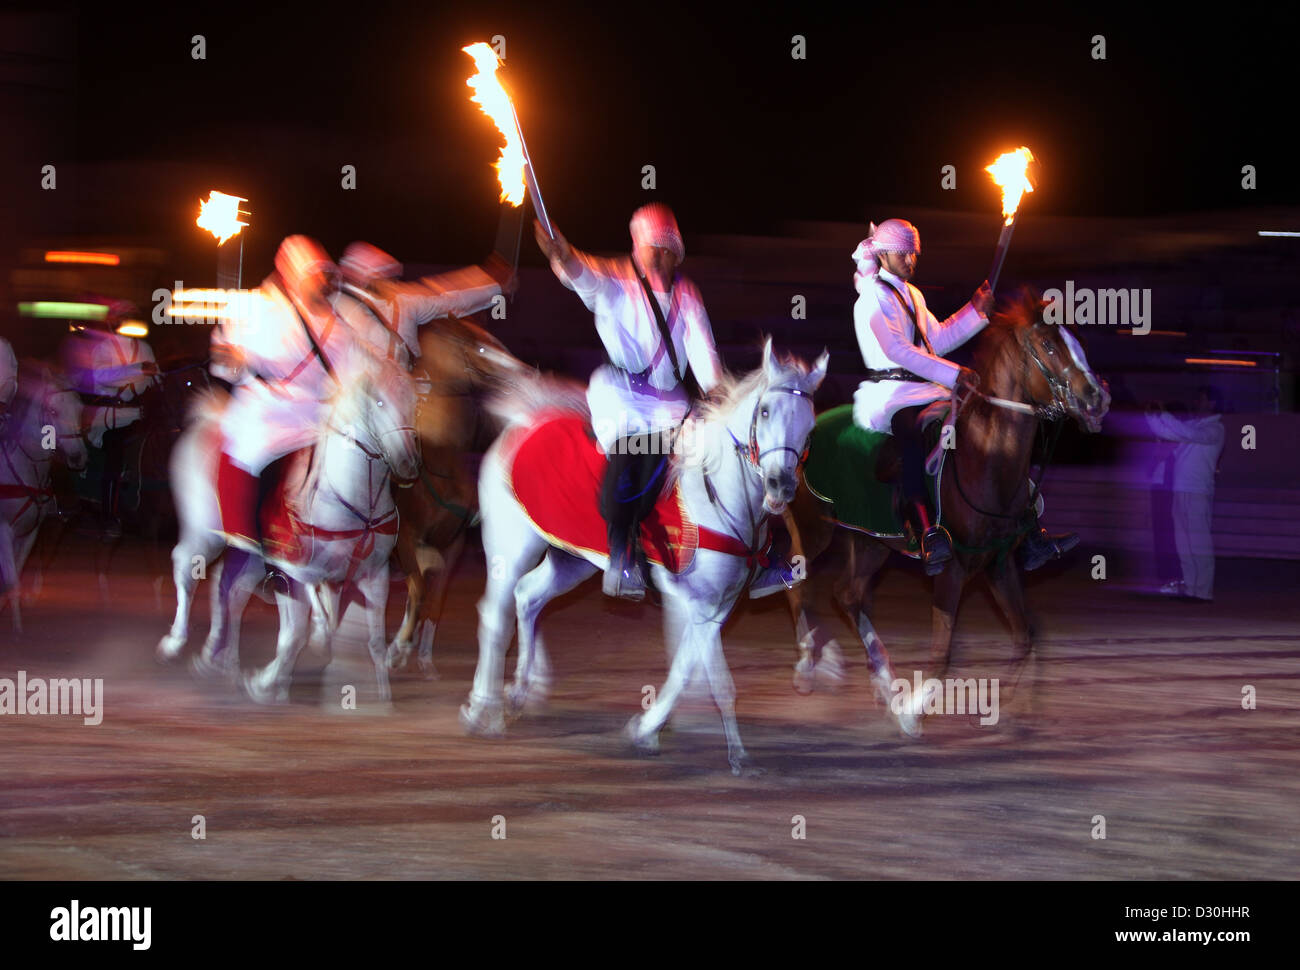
[
  {"x": 1000, "y": 254},
  {"x": 530, "y": 177}
]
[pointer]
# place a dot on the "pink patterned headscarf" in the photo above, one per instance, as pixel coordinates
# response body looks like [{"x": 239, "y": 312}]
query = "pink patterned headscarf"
[
  {"x": 655, "y": 225},
  {"x": 891, "y": 236}
]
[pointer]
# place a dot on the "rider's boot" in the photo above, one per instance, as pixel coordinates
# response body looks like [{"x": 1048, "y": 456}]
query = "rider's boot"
[
  {"x": 778, "y": 575},
  {"x": 624, "y": 577},
  {"x": 936, "y": 543},
  {"x": 1040, "y": 547},
  {"x": 237, "y": 491}
]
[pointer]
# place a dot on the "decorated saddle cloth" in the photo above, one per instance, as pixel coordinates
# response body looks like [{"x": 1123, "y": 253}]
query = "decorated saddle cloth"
[
  {"x": 842, "y": 469},
  {"x": 555, "y": 468}
]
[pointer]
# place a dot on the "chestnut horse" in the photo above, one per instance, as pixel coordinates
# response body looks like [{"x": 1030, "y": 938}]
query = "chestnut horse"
[
  {"x": 459, "y": 365},
  {"x": 1030, "y": 372}
]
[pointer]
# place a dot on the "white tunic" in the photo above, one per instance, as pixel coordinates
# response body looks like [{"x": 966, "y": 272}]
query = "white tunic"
[
  {"x": 886, "y": 338},
  {"x": 621, "y": 406},
  {"x": 121, "y": 367},
  {"x": 282, "y": 388},
  {"x": 1196, "y": 456}
]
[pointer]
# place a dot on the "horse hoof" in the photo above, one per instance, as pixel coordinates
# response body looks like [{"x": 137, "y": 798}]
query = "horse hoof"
[
  {"x": 169, "y": 649},
  {"x": 204, "y": 667},
  {"x": 399, "y": 653},
  {"x": 262, "y": 695},
  {"x": 805, "y": 676},
  {"x": 647, "y": 744},
  {"x": 428, "y": 670},
  {"x": 482, "y": 721},
  {"x": 742, "y": 766}
]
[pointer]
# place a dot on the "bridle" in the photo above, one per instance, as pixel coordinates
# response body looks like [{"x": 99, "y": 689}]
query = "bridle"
[{"x": 753, "y": 457}]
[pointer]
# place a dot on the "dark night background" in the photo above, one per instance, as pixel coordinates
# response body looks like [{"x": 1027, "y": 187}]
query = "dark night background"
[{"x": 742, "y": 135}]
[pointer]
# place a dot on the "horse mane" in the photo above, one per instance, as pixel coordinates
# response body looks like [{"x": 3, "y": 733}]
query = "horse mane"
[
  {"x": 525, "y": 398},
  {"x": 708, "y": 439},
  {"x": 34, "y": 376}
]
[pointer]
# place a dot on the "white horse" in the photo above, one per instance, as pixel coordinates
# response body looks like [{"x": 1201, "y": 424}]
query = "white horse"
[
  {"x": 45, "y": 417},
  {"x": 745, "y": 450},
  {"x": 345, "y": 518}
]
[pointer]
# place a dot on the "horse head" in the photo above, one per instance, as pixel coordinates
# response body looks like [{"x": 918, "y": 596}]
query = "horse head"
[
  {"x": 49, "y": 405},
  {"x": 381, "y": 396},
  {"x": 460, "y": 357},
  {"x": 1057, "y": 376},
  {"x": 769, "y": 416}
]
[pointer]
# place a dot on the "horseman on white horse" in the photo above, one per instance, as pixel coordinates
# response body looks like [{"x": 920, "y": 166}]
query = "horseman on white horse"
[
  {"x": 658, "y": 339},
  {"x": 281, "y": 353},
  {"x": 387, "y": 313}
]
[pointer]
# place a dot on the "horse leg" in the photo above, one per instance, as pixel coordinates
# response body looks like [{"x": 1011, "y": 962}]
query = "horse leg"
[
  {"x": 270, "y": 685},
  {"x": 810, "y": 537},
  {"x": 943, "y": 614},
  {"x": 512, "y": 548},
  {"x": 373, "y": 586},
  {"x": 433, "y": 605},
  {"x": 643, "y": 729},
  {"x": 9, "y": 574},
  {"x": 240, "y": 573},
  {"x": 188, "y": 549},
  {"x": 557, "y": 573},
  {"x": 1009, "y": 594},
  {"x": 853, "y": 595},
  {"x": 399, "y": 651},
  {"x": 723, "y": 689},
  {"x": 947, "y": 596}
]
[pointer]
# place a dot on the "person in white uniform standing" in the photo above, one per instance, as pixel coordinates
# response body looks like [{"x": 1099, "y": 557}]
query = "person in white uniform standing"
[{"x": 1196, "y": 459}]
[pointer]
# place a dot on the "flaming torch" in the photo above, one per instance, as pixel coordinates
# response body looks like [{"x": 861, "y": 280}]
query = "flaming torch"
[
  {"x": 514, "y": 168},
  {"x": 219, "y": 215},
  {"x": 1010, "y": 173}
]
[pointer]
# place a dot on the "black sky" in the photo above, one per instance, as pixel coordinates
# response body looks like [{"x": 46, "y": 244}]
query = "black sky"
[{"x": 743, "y": 136}]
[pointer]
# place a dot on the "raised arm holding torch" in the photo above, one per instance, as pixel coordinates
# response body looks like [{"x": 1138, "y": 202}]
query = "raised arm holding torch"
[{"x": 1010, "y": 173}]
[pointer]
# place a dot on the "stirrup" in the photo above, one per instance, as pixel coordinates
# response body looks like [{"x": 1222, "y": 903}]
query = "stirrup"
[
  {"x": 936, "y": 549},
  {"x": 777, "y": 577},
  {"x": 624, "y": 579}
]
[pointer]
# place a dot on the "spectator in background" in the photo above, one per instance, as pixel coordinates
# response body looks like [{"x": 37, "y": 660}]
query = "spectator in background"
[
  {"x": 1195, "y": 465},
  {"x": 1168, "y": 571}
]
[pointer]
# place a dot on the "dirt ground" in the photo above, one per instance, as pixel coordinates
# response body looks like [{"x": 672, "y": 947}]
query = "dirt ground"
[{"x": 1132, "y": 710}]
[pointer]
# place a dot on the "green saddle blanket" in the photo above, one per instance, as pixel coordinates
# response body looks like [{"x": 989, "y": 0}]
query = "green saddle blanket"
[{"x": 841, "y": 470}]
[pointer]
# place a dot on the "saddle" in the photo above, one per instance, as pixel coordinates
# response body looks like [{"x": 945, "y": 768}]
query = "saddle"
[
  {"x": 889, "y": 462},
  {"x": 555, "y": 468},
  {"x": 856, "y": 471}
]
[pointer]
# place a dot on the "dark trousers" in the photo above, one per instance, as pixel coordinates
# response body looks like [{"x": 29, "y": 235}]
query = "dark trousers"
[
  {"x": 110, "y": 485},
  {"x": 905, "y": 425},
  {"x": 632, "y": 483}
]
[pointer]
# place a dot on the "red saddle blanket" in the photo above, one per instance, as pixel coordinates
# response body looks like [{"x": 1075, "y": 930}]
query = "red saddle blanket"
[{"x": 555, "y": 468}]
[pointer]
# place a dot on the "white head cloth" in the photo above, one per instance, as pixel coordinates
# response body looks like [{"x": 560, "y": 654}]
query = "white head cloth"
[{"x": 891, "y": 236}]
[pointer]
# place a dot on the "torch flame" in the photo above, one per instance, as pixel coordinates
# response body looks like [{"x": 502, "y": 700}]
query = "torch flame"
[
  {"x": 219, "y": 215},
  {"x": 1009, "y": 175},
  {"x": 491, "y": 97}
]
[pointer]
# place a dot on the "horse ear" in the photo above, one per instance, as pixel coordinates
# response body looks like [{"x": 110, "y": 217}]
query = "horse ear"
[
  {"x": 818, "y": 372},
  {"x": 769, "y": 365}
]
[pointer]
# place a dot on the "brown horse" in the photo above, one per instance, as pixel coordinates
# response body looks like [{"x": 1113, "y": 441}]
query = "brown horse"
[
  {"x": 459, "y": 364},
  {"x": 1029, "y": 373}
]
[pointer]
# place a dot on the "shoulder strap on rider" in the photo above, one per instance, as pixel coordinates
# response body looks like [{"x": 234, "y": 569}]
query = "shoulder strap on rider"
[
  {"x": 687, "y": 377},
  {"x": 916, "y": 324},
  {"x": 306, "y": 328}
]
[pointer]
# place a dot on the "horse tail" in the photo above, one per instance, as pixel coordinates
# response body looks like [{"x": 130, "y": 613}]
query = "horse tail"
[{"x": 527, "y": 397}]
